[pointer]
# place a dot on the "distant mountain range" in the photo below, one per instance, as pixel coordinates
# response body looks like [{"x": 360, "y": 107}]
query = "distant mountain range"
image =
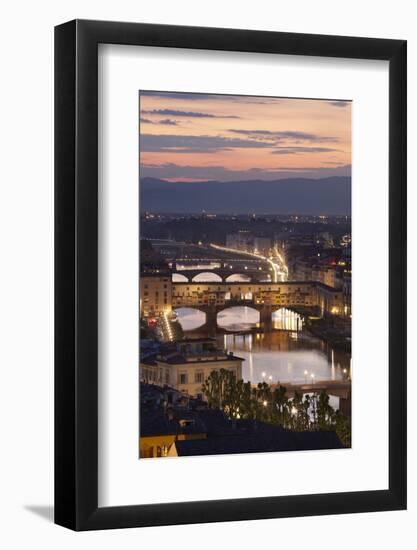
[{"x": 287, "y": 196}]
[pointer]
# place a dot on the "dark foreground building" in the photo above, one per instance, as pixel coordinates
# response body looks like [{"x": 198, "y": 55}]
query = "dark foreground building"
[{"x": 172, "y": 424}]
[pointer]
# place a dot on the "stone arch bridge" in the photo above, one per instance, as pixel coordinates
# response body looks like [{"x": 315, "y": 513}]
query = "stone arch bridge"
[
  {"x": 211, "y": 298},
  {"x": 222, "y": 274},
  {"x": 211, "y": 311}
]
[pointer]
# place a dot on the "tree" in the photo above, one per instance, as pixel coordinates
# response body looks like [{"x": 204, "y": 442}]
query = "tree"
[
  {"x": 325, "y": 413},
  {"x": 240, "y": 400},
  {"x": 343, "y": 428},
  {"x": 281, "y": 404}
]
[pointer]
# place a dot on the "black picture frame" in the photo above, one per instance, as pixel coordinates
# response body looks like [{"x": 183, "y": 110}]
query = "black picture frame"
[{"x": 76, "y": 272}]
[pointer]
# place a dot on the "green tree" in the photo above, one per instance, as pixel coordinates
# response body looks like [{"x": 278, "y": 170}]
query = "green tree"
[
  {"x": 325, "y": 413},
  {"x": 239, "y": 399},
  {"x": 343, "y": 428}
]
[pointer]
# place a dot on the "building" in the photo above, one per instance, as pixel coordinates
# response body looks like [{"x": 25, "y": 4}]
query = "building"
[
  {"x": 285, "y": 294},
  {"x": 155, "y": 283},
  {"x": 329, "y": 299},
  {"x": 325, "y": 239},
  {"x": 245, "y": 241},
  {"x": 262, "y": 439},
  {"x": 165, "y": 417},
  {"x": 172, "y": 424},
  {"x": 242, "y": 240},
  {"x": 262, "y": 245},
  {"x": 186, "y": 364},
  {"x": 347, "y": 292},
  {"x": 155, "y": 295}
]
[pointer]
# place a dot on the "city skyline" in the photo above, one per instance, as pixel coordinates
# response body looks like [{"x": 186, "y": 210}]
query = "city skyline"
[
  {"x": 245, "y": 274},
  {"x": 190, "y": 137}
]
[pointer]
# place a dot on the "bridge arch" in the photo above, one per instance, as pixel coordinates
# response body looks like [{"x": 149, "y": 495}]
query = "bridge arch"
[
  {"x": 286, "y": 319},
  {"x": 207, "y": 277},
  {"x": 238, "y": 277},
  {"x": 238, "y": 317},
  {"x": 179, "y": 278},
  {"x": 190, "y": 318}
]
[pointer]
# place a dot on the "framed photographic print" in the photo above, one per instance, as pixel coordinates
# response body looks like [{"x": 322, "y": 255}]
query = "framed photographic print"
[{"x": 230, "y": 275}]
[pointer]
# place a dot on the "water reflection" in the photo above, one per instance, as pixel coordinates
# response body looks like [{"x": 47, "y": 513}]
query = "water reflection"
[
  {"x": 238, "y": 318},
  {"x": 276, "y": 356},
  {"x": 285, "y": 319},
  {"x": 190, "y": 318}
]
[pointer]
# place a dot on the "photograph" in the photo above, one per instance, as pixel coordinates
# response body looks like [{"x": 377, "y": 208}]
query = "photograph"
[
  {"x": 184, "y": 360},
  {"x": 245, "y": 274}
]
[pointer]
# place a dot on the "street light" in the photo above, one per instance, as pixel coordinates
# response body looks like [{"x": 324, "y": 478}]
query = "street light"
[
  {"x": 265, "y": 403},
  {"x": 305, "y": 376},
  {"x": 312, "y": 377}
]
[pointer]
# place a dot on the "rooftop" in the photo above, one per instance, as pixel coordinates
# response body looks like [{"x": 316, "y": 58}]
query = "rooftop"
[
  {"x": 259, "y": 443},
  {"x": 216, "y": 433},
  {"x": 202, "y": 357}
]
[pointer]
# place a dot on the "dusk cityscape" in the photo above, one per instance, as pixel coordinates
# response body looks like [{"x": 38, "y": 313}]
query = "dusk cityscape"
[{"x": 245, "y": 274}]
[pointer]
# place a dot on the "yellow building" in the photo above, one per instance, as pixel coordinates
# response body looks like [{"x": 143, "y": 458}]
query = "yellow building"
[
  {"x": 155, "y": 294},
  {"x": 274, "y": 295},
  {"x": 329, "y": 299},
  {"x": 154, "y": 445},
  {"x": 188, "y": 365}
]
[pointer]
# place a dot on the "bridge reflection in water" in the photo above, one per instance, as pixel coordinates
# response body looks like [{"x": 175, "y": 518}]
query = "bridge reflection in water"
[
  {"x": 286, "y": 319},
  {"x": 283, "y": 356},
  {"x": 240, "y": 319}
]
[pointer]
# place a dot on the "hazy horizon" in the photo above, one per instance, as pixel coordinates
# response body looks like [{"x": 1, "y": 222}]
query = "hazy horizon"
[
  {"x": 229, "y": 154},
  {"x": 326, "y": 196}
]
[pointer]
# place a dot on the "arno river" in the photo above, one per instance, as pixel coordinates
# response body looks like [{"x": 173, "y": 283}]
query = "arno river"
[
  {"x": 286, "y": 355},
  {"x": 277, "y": 356}
]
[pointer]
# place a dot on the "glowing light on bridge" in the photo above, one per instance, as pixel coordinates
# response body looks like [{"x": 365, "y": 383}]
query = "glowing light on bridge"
[
  {"x": 167, "y": 328},
  {"x": 278, "y": 275},
  {"x": 238, "y": 318},
  {"x": 286, "y": 319}
]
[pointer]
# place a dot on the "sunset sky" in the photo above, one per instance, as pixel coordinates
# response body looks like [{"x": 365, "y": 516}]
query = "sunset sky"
[{"x": 199, "y": 137}]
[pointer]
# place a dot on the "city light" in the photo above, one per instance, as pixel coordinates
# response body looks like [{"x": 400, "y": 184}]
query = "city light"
[
  {"x": 278, "y": 275},
  {"x": 167, "y": 326},
  {"x": 206, "y": 333}
]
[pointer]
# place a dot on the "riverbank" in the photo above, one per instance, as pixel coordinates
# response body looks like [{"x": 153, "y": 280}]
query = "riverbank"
[{"x": 335, "y": 335}]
